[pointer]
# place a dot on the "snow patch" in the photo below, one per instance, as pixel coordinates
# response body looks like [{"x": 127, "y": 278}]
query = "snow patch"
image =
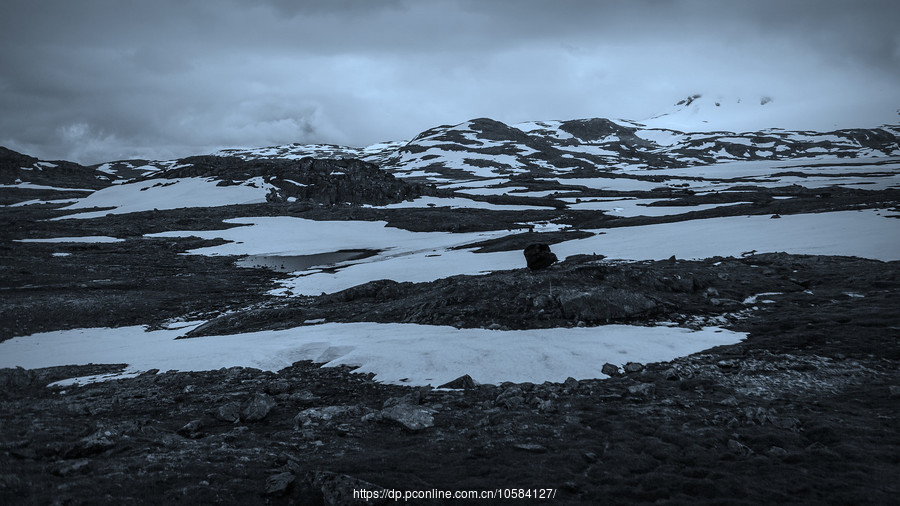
[{"x": 415, "y": 354}]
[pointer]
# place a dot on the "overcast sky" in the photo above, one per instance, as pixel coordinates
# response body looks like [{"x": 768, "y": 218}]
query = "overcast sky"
[{"x": 98, "y": 80}]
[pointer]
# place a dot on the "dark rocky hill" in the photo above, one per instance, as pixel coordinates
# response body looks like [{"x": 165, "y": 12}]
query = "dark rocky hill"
[{"x": 17, "y": 168}]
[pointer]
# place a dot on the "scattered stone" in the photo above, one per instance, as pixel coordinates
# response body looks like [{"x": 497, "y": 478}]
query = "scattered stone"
[
  {"x": 542, "y": 301},
  {"x": 775, "y": 217},
  {"x": 230, "y": 412},
  {"x": 538, "y": 256},
  {"x": 777, "y": 451},
  {"x": 571, "y": 383},
  {"x": 315, "y": 416},
  {"x": 257, "y": 408},
  {"x": 463, "y": 382},
  {"x": 547, "y": 406},
  {"x": 325, "y": 487},
  {"x": 18, "y": 377},
  {"x": 91, "y": 445},
  {"x": 591, "y": 457},
  {"x": 278, "y": 484},
  {"x": 66, "y": 469},
  {"x": 671, "y": 374},
  {"x": 610, "y": 370},
  {"x": 633, "y": 367},
  {"x": 642, "y": 389},
  {"x": 304, "y": 396},
  {"x": 605, "y": 304},
  {"x": 413, "y": 418},
  {"x": 739, "y": 448},
  {"x": 277, "y": 387},
  {"x": 511, "y": 402},
  {"x": 530, "y": 447},
  {"x": 895, "y": 391},
  {"x": 192, "y": 429}
]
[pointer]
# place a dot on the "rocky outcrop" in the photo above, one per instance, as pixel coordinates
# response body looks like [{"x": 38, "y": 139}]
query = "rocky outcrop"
[
  {"x": 539, "y": 256},
  {"x": 324, "y": 181}
]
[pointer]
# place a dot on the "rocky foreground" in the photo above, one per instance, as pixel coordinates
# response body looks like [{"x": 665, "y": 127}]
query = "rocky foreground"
[{"x": 804, "y": 411}]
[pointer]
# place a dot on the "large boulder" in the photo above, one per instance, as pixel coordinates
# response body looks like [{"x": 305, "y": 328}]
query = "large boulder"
[{"x": 539, "y": 256}]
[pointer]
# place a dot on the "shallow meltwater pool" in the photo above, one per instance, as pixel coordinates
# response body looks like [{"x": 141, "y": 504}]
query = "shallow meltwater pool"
[{"x": 293, "y": 263}]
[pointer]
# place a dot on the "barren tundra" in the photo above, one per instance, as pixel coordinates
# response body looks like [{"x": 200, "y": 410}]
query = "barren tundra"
[{"x": 295, "y": 323}]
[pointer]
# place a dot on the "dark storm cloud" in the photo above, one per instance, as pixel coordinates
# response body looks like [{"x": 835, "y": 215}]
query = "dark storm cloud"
[{"x": 96, "y": 80}]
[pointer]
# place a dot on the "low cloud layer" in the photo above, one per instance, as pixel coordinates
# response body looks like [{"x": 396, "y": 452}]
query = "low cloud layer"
[{"x": 98, "y": 80}]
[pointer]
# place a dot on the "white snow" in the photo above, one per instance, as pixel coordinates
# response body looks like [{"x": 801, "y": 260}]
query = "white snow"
[
  {"x": 492, "y": 191},
  {"x": 397, "y": 353},
  {"x": 403, "y": 255},
  {"x": 621, "y": 184},
  {"x": 106, "y": 167},
  {"x": 457, "y": 203},
  {"x": 589, "y": 149},
  {"x": 84, "y": 239},
  {"x": 639, "y": 207},
  {"x": 38, "y": 201},
  {"x": 169, "y": 194},
  {"x": 853, "y": 233},
  {"x": 32, "y": 186},
  {"x": 661, "y": 137},
  {"x": 476, "y": 183},
  {"x": 427, "y": 256}
]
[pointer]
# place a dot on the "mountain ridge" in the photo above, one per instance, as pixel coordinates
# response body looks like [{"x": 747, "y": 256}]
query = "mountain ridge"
[{"x": 484, "y": 148}]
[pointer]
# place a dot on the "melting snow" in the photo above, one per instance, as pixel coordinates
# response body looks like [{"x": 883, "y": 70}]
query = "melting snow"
[
  {"x": 85, "y": 239},
  {"x": 169, "y": 194},
  {"x": 420, "y": 354}
]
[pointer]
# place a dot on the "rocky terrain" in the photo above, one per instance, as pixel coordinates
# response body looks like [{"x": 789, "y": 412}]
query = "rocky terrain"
[{"x": 803, "y": 410}]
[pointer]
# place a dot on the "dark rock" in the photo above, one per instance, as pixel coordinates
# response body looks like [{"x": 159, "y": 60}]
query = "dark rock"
[
  {"x": 96, "y": 443},
  {"x": 642, "y": 389},
  {"x": 530, "y": 447},
  {"x": 610, "y": 370},
  {"x": 257, "y": 408},
  {"x": 605, "y": 304},
  {"x": 230, "y": 412},
  {"x": 671, "y": 374},
  {"x": 192, "y": 429},
  {"x": 325, "y": 414},
  {"x": 571, "y": 383},
  {"x": 69, "y": 468},
  {"x": 18, "y": 377},
  {"x": 739, "y": 448},
  {"x": 895, "y": 391},
  {"x": 277, "y": 387},
  {"x": 777, "y": 451},
  {"x": 278, "y": 484},
  {"x": 538, "y": 256},
  {"x": 413, "y": 418},
  {"x": 511, "y": 402},
  {"x": 334, "y": 489},
  {"x": 465, "y": 381},
  {"x": 633, "y": 367},
  {"x": 547, "y": 406}
]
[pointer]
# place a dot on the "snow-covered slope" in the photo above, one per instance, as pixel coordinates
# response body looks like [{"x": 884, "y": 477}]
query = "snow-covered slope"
[{"x": 484, "y": 148}]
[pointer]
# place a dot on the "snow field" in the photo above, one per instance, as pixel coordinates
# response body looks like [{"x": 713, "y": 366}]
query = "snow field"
[{"x": 407, "y": 354}]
